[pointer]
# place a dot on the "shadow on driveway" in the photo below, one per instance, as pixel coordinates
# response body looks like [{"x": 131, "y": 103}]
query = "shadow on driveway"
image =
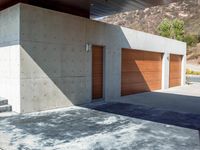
[
  {"x": 102, "y": 126},
  {"x": 186, "y": 120},
  {"x": 109, "y": 125}
]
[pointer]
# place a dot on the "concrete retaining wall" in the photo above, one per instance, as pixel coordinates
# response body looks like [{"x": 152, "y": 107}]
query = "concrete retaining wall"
[
  {"x": 9, "y": 56},
  {"x": 55, "y": 69},
  {"x": 193, "y": 78}
]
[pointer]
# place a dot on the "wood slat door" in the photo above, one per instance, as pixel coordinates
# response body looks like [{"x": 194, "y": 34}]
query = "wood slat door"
[
  {"x": 97, "y": 72},
  {"x": 141, "y": 71},
  {"x": 175, "y": 70}
]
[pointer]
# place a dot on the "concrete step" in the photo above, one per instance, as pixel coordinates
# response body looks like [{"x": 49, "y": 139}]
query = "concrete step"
[
  {"x": 3, "y": 102},
  {"x": 5, "y": 108}
]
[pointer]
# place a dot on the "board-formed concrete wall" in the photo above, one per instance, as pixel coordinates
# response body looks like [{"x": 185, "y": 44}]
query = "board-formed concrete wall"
[
  {"x": 55, "y": 68},
  {"x": 9, "y": 56}
]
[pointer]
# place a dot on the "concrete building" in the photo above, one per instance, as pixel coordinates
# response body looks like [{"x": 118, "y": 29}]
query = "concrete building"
[{"x": 52, "y": 59}]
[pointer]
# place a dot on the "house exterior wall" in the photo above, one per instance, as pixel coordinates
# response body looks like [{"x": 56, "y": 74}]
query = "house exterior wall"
[
  {"x": 9, "y": 56},
  {"x": 55, "y": 68}
]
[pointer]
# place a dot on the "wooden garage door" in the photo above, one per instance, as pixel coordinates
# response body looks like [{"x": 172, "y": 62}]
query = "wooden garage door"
[
  {"x": 141, "y": 71},
  {"x": 97, "y": 72},
  {"x": 175, "y": 70}
]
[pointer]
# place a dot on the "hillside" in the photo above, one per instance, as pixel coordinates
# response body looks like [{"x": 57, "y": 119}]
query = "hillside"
[{"x": 148, "y": 20}]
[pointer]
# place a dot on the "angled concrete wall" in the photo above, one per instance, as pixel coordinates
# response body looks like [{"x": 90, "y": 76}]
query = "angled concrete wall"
[
  {"x": 54, "y": 64},
  {"x": 55, "y": 68},
  {"x": 9, "y": 56}
]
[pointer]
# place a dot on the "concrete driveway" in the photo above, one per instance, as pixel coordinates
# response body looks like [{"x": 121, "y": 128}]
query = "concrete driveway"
[
  {"x": 78, "y": 128},
  {"x": 174, "y": 125},
  {"x": 182, "y": 99}
]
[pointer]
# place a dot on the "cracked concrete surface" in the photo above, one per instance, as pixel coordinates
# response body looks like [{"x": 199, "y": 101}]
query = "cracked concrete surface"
[{"x": 86, "y": 128}]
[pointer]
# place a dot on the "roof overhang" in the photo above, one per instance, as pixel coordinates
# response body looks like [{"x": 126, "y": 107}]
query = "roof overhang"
[{"x": 89, "y": 8}]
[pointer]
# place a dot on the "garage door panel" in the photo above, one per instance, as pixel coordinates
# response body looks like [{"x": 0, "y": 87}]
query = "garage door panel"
[
  {"x": 152, "y": 56},
  {"x": 175, "y": 75},
  {"x": 141, "y": 71},
  {"x": 141, "y": 67},
  {"x": 134, "y": 88},
  {"x": 175, "y": 70},
  {"x": 130, "y": 67},
  {"x": 152, "y": 66},
  {"x": 178, "y": 70},
  {"x": 176, "y": 58},
  {"x": 140, "y": 87},
  {"x": 175, "y": 64},
  {"x": 137, "y": 77},
  {"x": 129, "y": 56},
  {"x": 175, "y": 82},
  {"x": 140, "y": 55},
  {"x": 132, "y": 77},
  {"x": 154, "y": 85},
  {"x": 133, "y": 54},
  {"x": 151, "y": 85},
  {"x": 152, "y": 76}
]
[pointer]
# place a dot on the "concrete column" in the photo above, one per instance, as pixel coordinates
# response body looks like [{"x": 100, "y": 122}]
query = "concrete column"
[
  {"x": 165, "y": 71},
  {"x": 183, "y": 70},
  {"x": 107, "y": 68},
  {"x": 105, "y": 86}
]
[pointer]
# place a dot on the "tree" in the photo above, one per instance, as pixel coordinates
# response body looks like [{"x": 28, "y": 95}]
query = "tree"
[
  {"x": 178, "y": 29},
  {"x": 164, "y": 28},
  {"x": 171, "y": 29},
  {"x": 191, "y": 40}
]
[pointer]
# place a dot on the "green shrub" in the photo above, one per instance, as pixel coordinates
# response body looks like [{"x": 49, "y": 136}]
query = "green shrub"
[
  {"x": 164, "y": 28},
  {"x": 171, "y": 29},
  {"x": 198, "y": 38},
  {"x": 191, "y": 40},
  {"x": 178, "y": 29},
  {"x": 191, "y": 72}
]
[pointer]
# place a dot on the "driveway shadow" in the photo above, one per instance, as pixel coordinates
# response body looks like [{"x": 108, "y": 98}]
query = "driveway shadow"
[{"x": 186, "y": 120}]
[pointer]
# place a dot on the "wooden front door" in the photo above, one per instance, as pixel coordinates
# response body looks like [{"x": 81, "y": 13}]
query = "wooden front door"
[{"x": 97, "y": 72}]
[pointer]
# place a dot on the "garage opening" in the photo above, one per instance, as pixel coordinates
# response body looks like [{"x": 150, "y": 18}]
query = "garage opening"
[
  {"x": 97, "y": 72},
  {"x": 141, "y": 71},
  {"x": 175, "y": 70}
]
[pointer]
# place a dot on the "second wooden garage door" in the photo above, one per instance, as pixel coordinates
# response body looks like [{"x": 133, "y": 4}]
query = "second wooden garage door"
[
  {"x": 141, "y": 71},
  {"x": 175, "y": 70}
]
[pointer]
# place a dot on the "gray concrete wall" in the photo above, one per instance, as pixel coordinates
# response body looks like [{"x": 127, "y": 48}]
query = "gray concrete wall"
[
  {"x": 54, "y": 64},
  {"x": 55, "y": 69},
  {"x": 9, "y": 56}
]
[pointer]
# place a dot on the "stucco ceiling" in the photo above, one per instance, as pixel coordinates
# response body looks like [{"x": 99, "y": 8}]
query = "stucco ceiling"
[{"x": 89, "y": 8}]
